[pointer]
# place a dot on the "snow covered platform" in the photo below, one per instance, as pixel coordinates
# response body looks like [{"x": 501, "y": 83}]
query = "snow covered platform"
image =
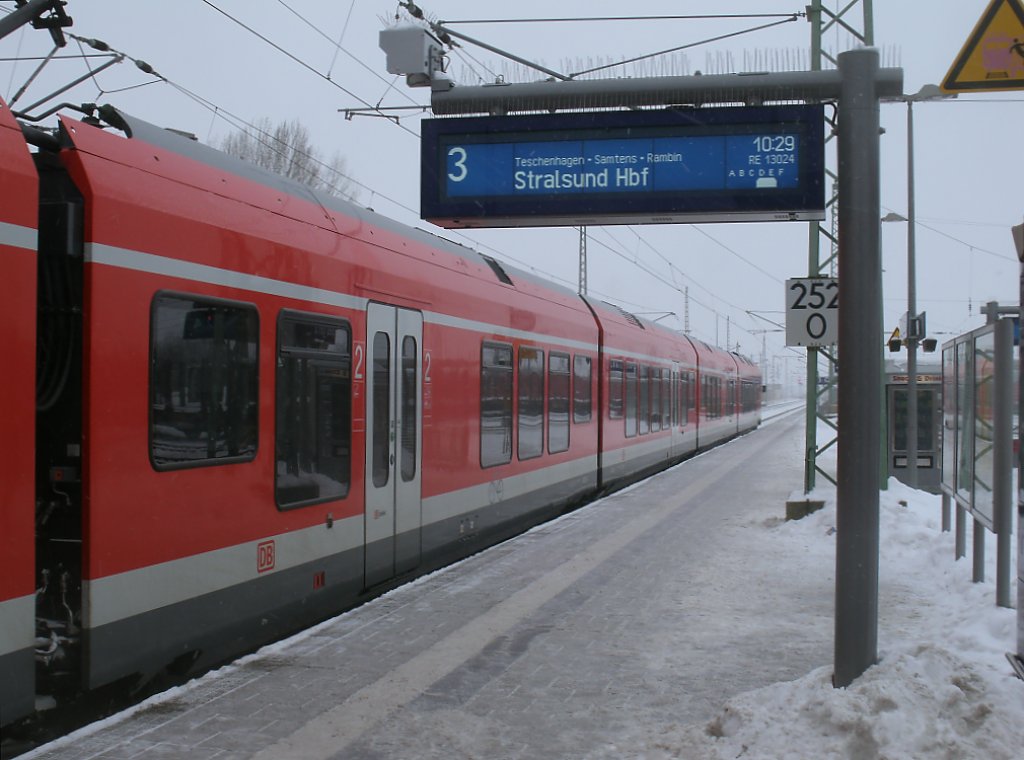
[{"x": 636, "y": 627}]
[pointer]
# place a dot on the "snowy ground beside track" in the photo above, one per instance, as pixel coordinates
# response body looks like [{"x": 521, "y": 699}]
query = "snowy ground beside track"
[{"x": 942, "y": 687}]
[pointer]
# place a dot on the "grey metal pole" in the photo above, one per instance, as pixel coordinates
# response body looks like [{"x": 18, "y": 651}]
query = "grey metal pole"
[
  {"x": 449, "y": 100},
  {"x": 860, "y": 391},
  {"x": 23, "y": 15},
  {"x": 1002, "y": 486},
  {"x": 947, "y": 516},
  {"x": 911, "y": 308}
]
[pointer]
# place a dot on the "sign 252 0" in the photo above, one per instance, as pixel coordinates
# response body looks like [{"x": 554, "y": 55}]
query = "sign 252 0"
[{"x": 812, "y": 311}]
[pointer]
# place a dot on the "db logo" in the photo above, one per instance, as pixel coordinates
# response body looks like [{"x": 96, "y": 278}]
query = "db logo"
[{"x": 265, "y": 557}]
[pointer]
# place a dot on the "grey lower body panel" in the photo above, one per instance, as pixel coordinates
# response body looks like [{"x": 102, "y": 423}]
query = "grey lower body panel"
[
  {"x": 206, "y": 630},
  {"x": 17, "y": 685},
  {"x": 196, "y": 634}
]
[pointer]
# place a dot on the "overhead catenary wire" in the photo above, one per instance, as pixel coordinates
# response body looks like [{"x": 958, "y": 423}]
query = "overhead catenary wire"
[
  {"x": 414, "y": 211},
  {"x": 298, "y": 60}
]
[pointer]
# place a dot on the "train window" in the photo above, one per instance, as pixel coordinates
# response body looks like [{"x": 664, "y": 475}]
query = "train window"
[
  {"x": 645, "y": 400},
  {"x": 558, "y": 403},
  {"x": 531, "y": 402},
  {"x": 581, "y": 398},
  {"x": 408, "y": 409},
  {"x": 655, "y": 388},
  {"x": 495, "y": 405},
  {"x": 631, "y": 419},
  {"x": 615, "y": 372},
  {"x": 679, "y": 391},
  {"x": 691, "y": 394},
  {"x": 673, "y": 394},
  {"x": 380, "y": 366},
  {"x": 666, "y": 395},
  {"x": 313, "y": 431},
  {"x": 203, "y": 381}
]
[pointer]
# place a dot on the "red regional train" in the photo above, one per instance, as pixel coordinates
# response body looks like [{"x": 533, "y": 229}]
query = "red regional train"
[{"x": 233, "y": 406}]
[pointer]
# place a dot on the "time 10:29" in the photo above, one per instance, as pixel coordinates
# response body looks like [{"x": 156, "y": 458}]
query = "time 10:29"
[{"x": 775, "y": 143}]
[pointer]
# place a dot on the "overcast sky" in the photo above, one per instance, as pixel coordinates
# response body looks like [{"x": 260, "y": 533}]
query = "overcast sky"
[{"x": 967, "y": 151}]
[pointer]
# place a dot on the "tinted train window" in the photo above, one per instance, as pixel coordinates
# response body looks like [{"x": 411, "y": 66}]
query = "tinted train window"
[
  {"x": 615, "y": 390},
  {"x": 630, "y": 400},
  {"x": 691, "y": 394},
  {"x": 581, "y": 398},
  {"x": 666, "y": 399},
  {"x": 409, "y": 409},
  {"x": 531, "y": 402},
  {"x": 655, "y": 400},
  {"x": 558, "y": 402},
  {"x": 495, "y": 405},
  {"x": 380, "y": 366},
  {"x": 645, "y": 400},
  {"x": 203, "y": 381},
  {"x": 313, "y": 431}
]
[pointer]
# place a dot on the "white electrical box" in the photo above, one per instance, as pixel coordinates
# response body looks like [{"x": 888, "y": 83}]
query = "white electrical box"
[{"x": 410, "y": 49}]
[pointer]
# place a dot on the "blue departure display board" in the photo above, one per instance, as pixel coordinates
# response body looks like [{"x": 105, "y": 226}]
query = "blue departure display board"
[{"x": 705, "y": 164}]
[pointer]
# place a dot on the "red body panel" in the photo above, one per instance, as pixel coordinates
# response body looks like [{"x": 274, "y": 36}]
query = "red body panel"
[
  {"x": 18, "y": 240},
  {"x": 18, "y": 215}
]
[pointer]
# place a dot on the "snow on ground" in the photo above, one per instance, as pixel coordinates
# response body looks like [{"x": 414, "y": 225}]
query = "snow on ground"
[{"x": 942, "y": 687}]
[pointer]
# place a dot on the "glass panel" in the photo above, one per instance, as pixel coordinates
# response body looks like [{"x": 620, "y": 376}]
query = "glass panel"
[
  {"x": 531, "y": 402},
  {"x": 655, "y": 400},
  {"x": 949, "y": 417},
  {"x": 645, "y": 400},
  {"x": 666, "y": 399},
  {"x": 965, "y": 422},
  {"x": 381, "y": 443},
  {"x": 496, "y": 405},
  {"x": 631, "y": 420},
  {"x": 615, "y": 377},
  {"x": 409, "y": 402},
  {"x": 204, "y": 382},
  {"x": 984, "y": 422},
  {"x": 558, "y": 402},
  {"x": 926, "y": 421},
  {"x": 313, "y": 410},
  {"x": 581, "y": 406},
  {"x": 899, "y": 419}
]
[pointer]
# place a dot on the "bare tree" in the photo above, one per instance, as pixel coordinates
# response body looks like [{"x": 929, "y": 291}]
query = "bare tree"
[{"x": 285, "y": 148}]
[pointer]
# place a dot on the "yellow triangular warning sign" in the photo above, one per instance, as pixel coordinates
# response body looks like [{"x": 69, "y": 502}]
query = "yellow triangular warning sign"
[{"x": 993, "y": 56}]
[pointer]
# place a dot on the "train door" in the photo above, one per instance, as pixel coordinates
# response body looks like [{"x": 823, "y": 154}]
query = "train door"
[{"x": 394, "y": 434}]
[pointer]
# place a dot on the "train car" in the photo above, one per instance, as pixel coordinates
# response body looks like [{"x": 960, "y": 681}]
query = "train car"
[
  {"x": 647, "y": 414},
  {"x": 18, "y": 225},
  {"x": 259, "y": 405},
  {"x": 717, "y": 395},
  {"x": 751, "y": 393},
  {"x": 280, "y": 402}
]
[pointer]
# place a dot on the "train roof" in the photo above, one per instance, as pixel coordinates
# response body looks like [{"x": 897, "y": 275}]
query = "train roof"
[{"x": 188, "y": 146}]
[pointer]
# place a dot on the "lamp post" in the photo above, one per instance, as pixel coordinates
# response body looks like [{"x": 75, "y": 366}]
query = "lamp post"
[{"x": 927, "y": 92}]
